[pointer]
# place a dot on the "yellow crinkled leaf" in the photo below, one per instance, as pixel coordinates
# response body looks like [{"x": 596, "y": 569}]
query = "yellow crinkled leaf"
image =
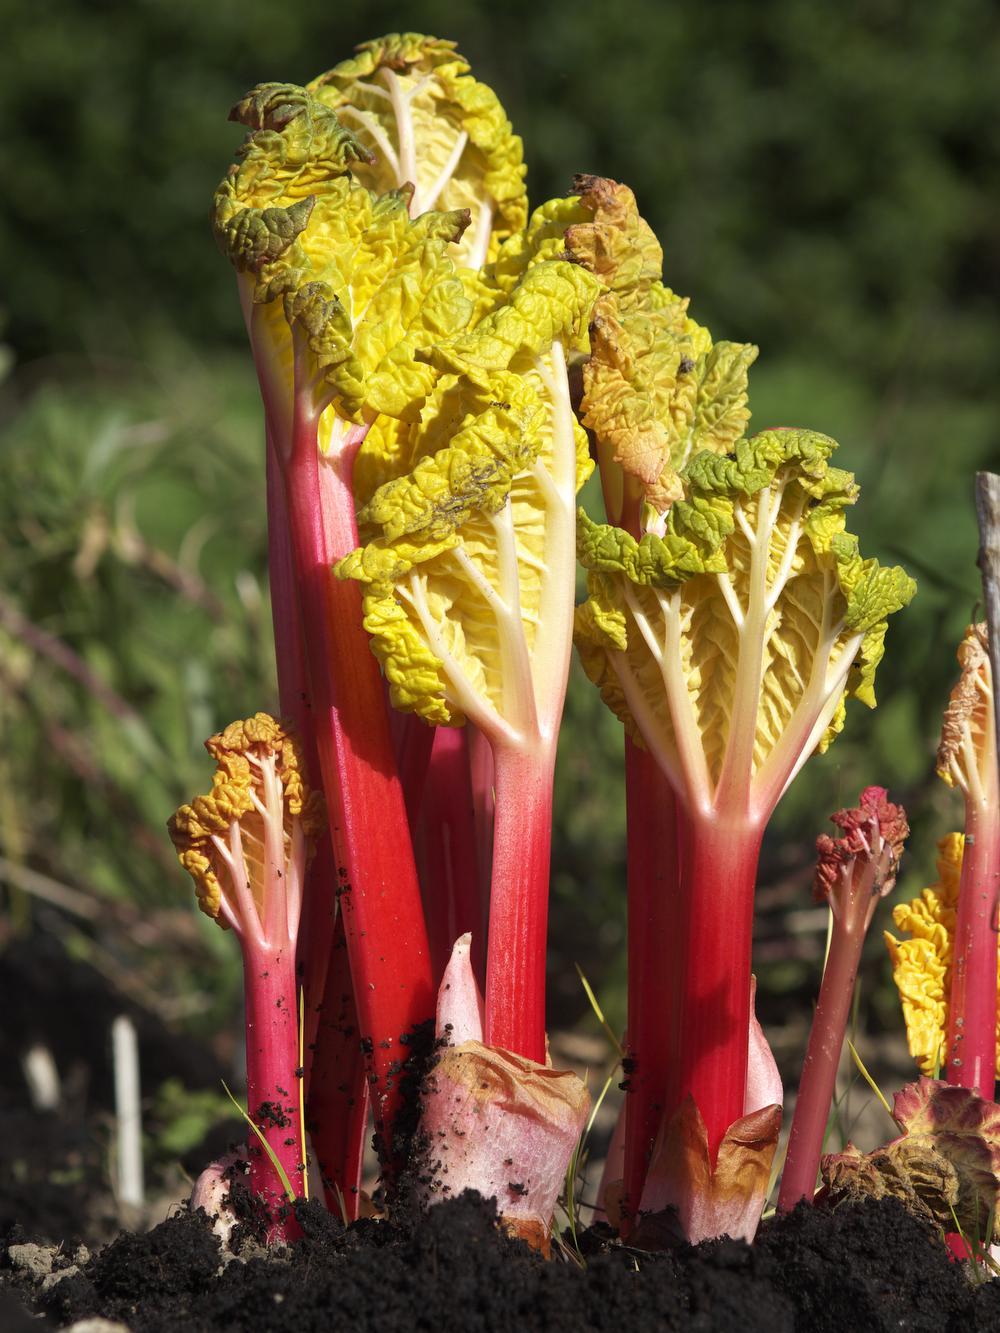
[
  {"x": 248, "y": 755},
  {"x": 469, "y": 556},
  {"x": 552, "y": 302},
  {"x": 412, "y": 102},
  {"x": 417, "y": 683},
  {"x": 922, "y": 964},
  {"x": 615, "y": 242},
  {"x": 472, "y": 442},
  {"x": 542, "y": 239}
]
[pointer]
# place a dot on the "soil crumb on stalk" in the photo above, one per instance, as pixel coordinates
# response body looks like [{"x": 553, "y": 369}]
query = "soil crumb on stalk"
[{"x": 858, "y": 1268}]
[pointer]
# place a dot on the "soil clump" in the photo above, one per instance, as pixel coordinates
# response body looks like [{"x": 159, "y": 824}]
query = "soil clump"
[{"x": 860, "y": 1267}]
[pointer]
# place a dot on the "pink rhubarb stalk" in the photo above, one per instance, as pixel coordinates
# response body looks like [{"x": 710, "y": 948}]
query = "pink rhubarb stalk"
[
  {"x": 522, "y": 839},
  {"x": 970, "y": 1045},
  {"x": 853, "y": 873},
  {"x": 967, "y": 759}
]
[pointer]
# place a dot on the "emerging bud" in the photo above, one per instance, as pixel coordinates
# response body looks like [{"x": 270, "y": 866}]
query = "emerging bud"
[{"x": 494, "y": 1121}]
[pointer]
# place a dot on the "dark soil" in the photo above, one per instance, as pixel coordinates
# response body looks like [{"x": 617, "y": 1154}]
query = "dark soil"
[{"x": 859, "y": 1268}]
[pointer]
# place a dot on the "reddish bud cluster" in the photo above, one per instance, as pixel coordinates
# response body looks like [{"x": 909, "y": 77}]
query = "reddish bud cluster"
[{"x": 875, "y": 830}]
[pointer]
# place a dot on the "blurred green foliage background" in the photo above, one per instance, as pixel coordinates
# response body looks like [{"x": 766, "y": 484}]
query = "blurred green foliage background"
[{"x": 824, "y": 181}]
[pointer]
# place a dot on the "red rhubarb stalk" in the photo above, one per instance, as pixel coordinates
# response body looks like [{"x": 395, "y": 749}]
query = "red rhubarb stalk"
[
  {"x": 522, "y": 837},
  {"x": 653, "y": 965},
  {"x": 483, "y": 805},
  {"x": 708, "y": 1058},
  {"x": 446, "y": 848},
  {"x": 337, "y": 1110},
  {"x": 337, "y": 1097},
  {"x": 378, "y": 889},
  {"x": 413, "y": 742},
  {"x": 272, "y": 1046},
  {"x": 319, "y": 906},
  {"x": 853, "y": 872}
]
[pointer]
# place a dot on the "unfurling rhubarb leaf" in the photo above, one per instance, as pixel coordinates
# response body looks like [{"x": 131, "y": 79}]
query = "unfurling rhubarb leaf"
[
  {"x": 967, "y": 738},
  {"x": 945, "y": 1167},
  {"x": 728, "y": 639},
  {"x": 361, "y": 283},
  {"x": 493, "y": 1121},
  {"x": 428, "y": 123},
  {"x": 857, "y": 869},
  {"x": 656, "y": 389},
  {"x": 246, "y": 844}
]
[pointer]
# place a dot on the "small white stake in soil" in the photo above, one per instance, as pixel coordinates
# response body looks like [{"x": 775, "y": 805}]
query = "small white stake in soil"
[{"x": 125, "y": 1052}]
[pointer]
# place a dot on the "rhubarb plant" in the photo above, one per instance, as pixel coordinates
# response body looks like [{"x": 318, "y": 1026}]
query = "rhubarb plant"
[
  {"x": 853, "y": 873},
  {"x": 340, "y": 288},
  {"x": 468, "y": 570},
  {"x": 247, "y": 844},
  {"x": 726, "y": 638},
  {"x": 656, "y": 390}
]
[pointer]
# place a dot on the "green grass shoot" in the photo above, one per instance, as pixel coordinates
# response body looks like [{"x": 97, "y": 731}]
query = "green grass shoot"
[{"x": 286, "y": 1184}]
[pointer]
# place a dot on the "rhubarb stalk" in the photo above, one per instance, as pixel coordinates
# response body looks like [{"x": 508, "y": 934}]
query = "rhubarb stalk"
[
  {"x": 247, "y": 845},
  {"x": 853, "y": 873},
  {"x": 655, "y": 956},
  {"x": 337, "y": 1106},
  {"x": 967, "y": 759},
  {"x": 378, "y": 891},
  {"x": 341, "y": 290},
  {"x": 446, "y": 846},
  {"x": 710, "y": 1023}
]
